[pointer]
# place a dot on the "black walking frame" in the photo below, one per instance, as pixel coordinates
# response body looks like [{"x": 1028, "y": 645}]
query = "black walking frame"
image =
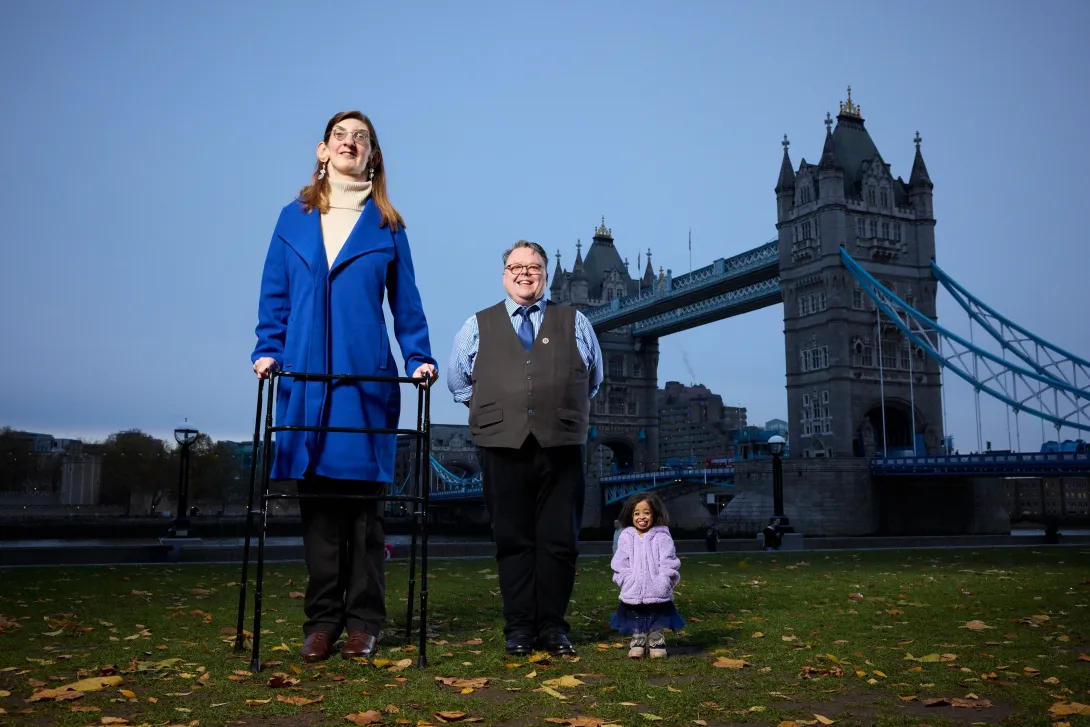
[{"x": 416, "y": 496}]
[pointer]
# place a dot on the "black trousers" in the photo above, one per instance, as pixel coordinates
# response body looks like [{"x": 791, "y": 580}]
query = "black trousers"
[
  {"x": 535, "y": 500},
  {"x": 344, "y": 548}
]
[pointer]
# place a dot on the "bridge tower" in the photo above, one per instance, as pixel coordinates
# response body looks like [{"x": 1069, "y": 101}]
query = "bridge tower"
[
  {"x": 624, "y": 415},
  {"x": 841, "y": 365}
]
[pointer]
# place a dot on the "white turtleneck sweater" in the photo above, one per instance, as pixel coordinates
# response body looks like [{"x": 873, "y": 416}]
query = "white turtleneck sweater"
[{"x": 346, "y": 200}]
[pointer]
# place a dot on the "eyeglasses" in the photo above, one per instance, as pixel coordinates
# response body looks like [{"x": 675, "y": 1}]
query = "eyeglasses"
[
  {"x": 359, "y": 136},
  {"x": 531, "y": 270}
]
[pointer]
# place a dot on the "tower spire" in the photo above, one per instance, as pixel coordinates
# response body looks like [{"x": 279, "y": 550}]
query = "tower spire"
[
  {"x": 829, "y": 159},
  {"x": 787, "y": 174},
  {"x": 919, "y": 177}
]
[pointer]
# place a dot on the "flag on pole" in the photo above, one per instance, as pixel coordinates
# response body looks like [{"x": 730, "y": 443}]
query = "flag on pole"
[{"x": 690, "y": 248}]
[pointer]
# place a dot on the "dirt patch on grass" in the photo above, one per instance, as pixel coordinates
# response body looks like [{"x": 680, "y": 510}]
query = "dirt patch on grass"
[
  {"x": 494, "y": 694},
  {"x": 855, "y": 705},
  {"x": 676, "y": 680},
  {"x": 864, "y": 707},
  {"x": 994, "y": 714},
  {"x": 303, "y": 719},
  {"x": 532, "y": 717}
]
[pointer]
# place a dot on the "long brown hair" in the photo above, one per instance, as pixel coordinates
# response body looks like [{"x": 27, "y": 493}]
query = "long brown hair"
[{"x": 315, "y": 196}]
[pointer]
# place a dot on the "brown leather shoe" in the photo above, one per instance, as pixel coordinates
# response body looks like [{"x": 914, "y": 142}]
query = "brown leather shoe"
[
  {"x": 359, "y": 644},
  {"x": 317, "y": 646}
]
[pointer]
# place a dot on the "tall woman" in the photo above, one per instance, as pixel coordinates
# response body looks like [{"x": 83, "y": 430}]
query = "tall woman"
[{"x": 336, "y": 250}]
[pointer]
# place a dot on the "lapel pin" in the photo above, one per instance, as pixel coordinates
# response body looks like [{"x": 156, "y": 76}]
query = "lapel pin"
[{"x": 544, "y": 340}]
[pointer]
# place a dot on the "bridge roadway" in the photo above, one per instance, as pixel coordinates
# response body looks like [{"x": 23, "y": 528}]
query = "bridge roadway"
[
  {"x": 620, "y": 486},
  {"x": 727, "y": 287},
  {"x": 1006, "y": 464}
]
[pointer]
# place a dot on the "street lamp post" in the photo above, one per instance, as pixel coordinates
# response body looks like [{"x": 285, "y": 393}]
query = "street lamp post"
[
  {"x": 185, "y": 435},
  {"x": 776, "y": 445}
]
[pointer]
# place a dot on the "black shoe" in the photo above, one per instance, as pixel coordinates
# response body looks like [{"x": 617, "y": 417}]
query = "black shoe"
[
  {"x": 520, "y": 644},
  {"x": 557, "y": 644}
]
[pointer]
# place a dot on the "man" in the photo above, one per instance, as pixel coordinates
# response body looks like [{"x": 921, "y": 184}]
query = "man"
[
  {"x": 527, "y": 369},
  {"x": 772, "y": 535}
]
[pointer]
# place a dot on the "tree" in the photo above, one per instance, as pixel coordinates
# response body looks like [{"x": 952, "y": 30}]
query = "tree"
[
  {"x": 215, "y": 472},
  {"x": 135, "y": 464}
]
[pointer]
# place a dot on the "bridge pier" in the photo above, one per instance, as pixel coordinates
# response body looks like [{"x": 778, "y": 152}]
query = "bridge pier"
[
  {"x": 942, "y": 506},
  {"x": 840, "y": 496},
  {"x": 821, "y": 496}
]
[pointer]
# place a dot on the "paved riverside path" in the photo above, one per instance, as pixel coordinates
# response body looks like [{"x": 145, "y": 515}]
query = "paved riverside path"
[{"x": 282, "y": 549}]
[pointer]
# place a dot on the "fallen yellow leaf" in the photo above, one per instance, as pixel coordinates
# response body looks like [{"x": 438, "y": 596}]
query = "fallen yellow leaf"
[{"x": 565, "y": 681}]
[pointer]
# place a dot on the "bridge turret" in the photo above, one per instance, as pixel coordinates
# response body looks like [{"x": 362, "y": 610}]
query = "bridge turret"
[
  {"x": 919, "y": 184},
  {"x": 648, "y": 278},
  {"x": 785, "y": 188},
  {"x": 579, "y": 287},
  {"x": 830, "y": 187},
  {"x": 557, "y": 285}
]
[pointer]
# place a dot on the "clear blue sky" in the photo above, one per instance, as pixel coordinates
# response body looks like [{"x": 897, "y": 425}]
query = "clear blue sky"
[{"x": 148, "y": 146}]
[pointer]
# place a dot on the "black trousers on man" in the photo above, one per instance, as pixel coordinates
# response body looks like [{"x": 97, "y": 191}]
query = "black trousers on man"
[
  {"x": 344, "y": 548},
  {"x": 535, "y": 499}
]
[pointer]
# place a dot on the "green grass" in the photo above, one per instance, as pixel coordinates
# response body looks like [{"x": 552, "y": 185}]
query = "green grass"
[{"x": 821, "y": 652}]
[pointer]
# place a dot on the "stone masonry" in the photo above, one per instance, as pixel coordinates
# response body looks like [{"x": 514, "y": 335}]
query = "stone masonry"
[{"x": 821, "y": 496}]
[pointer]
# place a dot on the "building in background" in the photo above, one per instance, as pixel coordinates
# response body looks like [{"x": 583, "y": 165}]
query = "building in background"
[
  {"x": 777, "y": 426},
  {"x": 695, "y": 426}
]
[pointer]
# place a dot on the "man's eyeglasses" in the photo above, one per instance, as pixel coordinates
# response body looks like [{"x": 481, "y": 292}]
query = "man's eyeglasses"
[
  {"x": 531, "y": 270},
  {"x": 341, "y": 134}
]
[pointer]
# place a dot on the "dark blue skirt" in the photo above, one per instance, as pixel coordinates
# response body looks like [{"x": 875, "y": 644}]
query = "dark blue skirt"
[{"x": 643, "y": 618}]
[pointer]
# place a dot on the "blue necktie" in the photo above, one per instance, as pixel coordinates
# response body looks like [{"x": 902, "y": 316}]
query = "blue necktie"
[{"x": 526, "y": 328}]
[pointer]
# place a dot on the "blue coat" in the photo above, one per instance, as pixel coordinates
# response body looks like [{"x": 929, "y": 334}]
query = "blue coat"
[{"x": 320, "y": 320}]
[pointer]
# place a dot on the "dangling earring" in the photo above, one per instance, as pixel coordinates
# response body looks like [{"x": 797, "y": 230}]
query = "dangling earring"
[
  {"x": 371, "y": 173},
  {"x": 321, "y": 173}
]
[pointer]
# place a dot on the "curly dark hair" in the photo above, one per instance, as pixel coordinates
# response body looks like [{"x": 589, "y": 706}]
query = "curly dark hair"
[{"x": 659, "y": 515}]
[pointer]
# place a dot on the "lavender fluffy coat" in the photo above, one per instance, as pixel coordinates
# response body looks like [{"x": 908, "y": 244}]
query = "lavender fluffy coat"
[{"x": 646, "y": 568}]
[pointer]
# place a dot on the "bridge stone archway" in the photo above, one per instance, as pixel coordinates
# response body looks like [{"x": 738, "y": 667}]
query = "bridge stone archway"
[
  {"x": 618, "y": 452},
  {"x": 613, "y": 455},
  {"x": 902, "y": 429}
]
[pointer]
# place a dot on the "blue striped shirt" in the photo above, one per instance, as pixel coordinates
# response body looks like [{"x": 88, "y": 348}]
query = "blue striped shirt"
[{"x": 464, "y": 353}]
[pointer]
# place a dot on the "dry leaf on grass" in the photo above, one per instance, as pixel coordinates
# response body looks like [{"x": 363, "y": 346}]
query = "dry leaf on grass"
[
  {"x": 280, "y": 679},
  {"x": 1064, "y": 709},
  {"x": 565, "y": 681},
  {"x": 94, "y": 684},
  {"x": 976, "y": 626},
  {"x": 725, "y": 663},
  {"x": 54, "y": 695},
  {"x": 475, "y": 683},
  {"x": 401, "y": 665},
  {"x": 297, "y": 701},
  {"x": 446, "y": 717},
  {"x": 371, "y": 716}
]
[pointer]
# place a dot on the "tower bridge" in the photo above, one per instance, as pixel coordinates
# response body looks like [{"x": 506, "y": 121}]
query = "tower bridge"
[{"x": 854, "y": 265}]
